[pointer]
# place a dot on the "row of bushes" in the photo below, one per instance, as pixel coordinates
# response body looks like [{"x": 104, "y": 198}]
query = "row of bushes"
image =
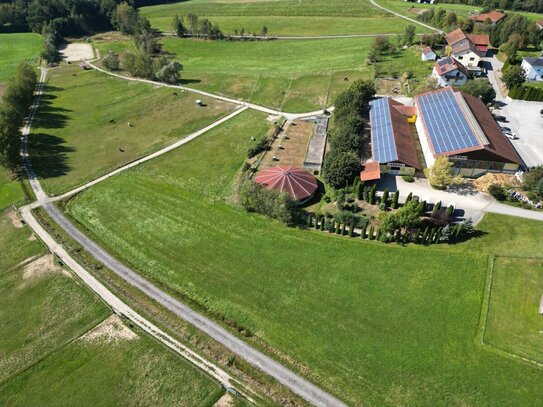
[
  {"x": 428, "y": 235},
  {"x": 526, "y": 92}
]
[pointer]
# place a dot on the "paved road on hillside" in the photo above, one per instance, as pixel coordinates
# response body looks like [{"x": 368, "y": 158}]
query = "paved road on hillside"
[
  {"x": 299, "y": 37},
  {"x": 294, "y": 382},
  {"x": 405, "y": 17}
]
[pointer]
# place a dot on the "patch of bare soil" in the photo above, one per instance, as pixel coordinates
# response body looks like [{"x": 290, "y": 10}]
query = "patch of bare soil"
[
  {"x": 15, "y": 219},
  {"x": 417, "y": 10},
  {"x": 225, "y": 401},
  {"x": 110, "y": 330},
  {"x": 42, "y": 266},
  {"x": 391, "y": 87},
  {"x": 482, "y": 183}
]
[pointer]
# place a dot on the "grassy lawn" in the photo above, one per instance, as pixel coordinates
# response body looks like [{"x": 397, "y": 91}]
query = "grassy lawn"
[
  {"x": 16, "y": 48},
  {"x": 374, "y": 324},
  {"x": 128, "y": 371},
  {"x": 10, "y": 190},
  {"x": 73, "y": 141},
  {"x": 514, "y": 323}
]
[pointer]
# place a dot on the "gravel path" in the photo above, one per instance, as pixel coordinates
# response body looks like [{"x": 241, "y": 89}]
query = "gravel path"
[{"x": 405, "y": 17}]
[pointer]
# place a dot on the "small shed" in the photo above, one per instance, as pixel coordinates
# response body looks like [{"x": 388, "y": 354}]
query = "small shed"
[{"x": 428, "y": 54}]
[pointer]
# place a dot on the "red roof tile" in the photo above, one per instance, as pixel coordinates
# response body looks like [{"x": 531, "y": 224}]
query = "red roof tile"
[
  {"x": 494, "y": 17},
  {"x": 446, "y": 65},
  {"x": 296, "y": 182},
  {"x": 371, "y": 171}
]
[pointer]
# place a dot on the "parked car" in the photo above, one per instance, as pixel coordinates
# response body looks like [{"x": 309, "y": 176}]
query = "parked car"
[
  {"x": 501, "y": 119},
  {"x": 541, "y": 112},
  {"x": 510, "y": 135},
  {"x": 506, "y": 129}
]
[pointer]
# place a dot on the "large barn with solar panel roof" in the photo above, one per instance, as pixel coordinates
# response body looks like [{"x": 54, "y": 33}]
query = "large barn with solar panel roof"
[
  {"x": 444, "y": 122},
  {"x": 457, "y": 125}
]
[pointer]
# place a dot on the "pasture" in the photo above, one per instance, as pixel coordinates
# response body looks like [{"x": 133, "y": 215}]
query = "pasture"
[
  {"x": 16, "y": 48},
  {"x": 287, "y": 75},
  {"x": 374, "y": 324},
  {"x": 514, "y": 323},
  {"x": 283, "y": 17},
  {"x": 82, "y": 131},
  {"x": 10, "y": 189},
  {"x": 58, "y": 344}
]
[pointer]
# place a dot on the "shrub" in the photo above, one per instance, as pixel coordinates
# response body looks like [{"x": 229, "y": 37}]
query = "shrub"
[
  {"x": 366, "y": 194},
  {"x": 425, "y": 234},
  {"x": 436, "y": 208},
  {"x": 409, "y": 197},
  {"x": 441, "y": 175},
  {"x": 408, "y": 215},
  {"x": 395, "y": 197},
  {"x": 261, "y": 146},
  {"x": 384, "y": 199},
  {"x": 450, "y": 211},
  {"x": 497, "y": 192},
  {"x": 338, "y": 228},
  {"x": 255, "y": 198},
  {"x": 422, "y": 208},
  {"x": 340, "y": 168},
  {"x": 371, "y": 198},
  {"x": 360, "y": 190},
  {"x": 363, "y": 232},
  {"x": 370, "y": 234},
  {"x": 309, "y": 219},
  {"x": 323, "y": 223},
  {"x": 382, "y": 206},
  {"x": 408, "y": 178},
  {"x": 351, "y": 230},
  {"x": 111, "y": 61}
]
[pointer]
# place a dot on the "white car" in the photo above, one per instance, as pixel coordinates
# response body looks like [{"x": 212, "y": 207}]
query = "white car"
[{"x": 510, "y": 135}]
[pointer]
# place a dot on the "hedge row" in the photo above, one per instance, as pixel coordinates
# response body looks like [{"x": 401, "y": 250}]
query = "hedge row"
[{"x": 524, "y": 92}]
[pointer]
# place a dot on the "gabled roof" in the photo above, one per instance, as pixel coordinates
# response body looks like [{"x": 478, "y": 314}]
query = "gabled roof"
[
  {"x": 534, "y": 61},
  {"x": 449, "y": 64},
  {"x": 457, "y": 123},
  {"x": 494, "y": 17},
  {"x": 371, "y": 171},
  {"x": 459, "y": 42},
  {"x": 426, "y": 50},
  {"x": 391, "y": 134}
]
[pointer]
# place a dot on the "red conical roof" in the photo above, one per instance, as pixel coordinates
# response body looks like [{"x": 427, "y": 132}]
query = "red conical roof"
[{"x": 297, "y": 182}]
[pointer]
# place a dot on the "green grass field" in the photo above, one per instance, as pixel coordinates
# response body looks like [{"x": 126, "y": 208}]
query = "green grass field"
[
  {"x": 375, "y": 324},
  {"x": 73, "y": 141},
  {"x": 16, "y": 48},
  {"x": 283, "y": 18},
  {"x": 109, "y": 372},
  {"x": 44, "y": 360},
  {"x": 10, "y": 190},
  {"x": 514, "y": 323},
  {"x": 289, "y": 75}
]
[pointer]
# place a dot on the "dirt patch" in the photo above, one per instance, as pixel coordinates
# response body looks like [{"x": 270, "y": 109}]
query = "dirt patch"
[
  {"x": 15, "y": 219},
  {"x": 482, "y": 183},
  {"x": 77, "y": 52},
  {"x": 416, "y": 10},
  {"x": 225, "y": 401},
  {"x": 392, "y": 87},
  {"x": 42, "y": 266},
  {"x": 110, "y": 330},
  {"x": 290, "y": 147}
]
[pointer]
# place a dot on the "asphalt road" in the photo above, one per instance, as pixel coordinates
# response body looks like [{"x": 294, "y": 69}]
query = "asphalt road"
[{"x": 296, "y": 383}]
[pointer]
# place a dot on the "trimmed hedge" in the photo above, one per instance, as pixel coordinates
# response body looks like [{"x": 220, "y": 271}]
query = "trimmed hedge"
[{"x": 526, "y": 92}]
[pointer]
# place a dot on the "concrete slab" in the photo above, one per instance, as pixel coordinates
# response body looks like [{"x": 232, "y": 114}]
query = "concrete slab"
[{"x": 77, "y": 52}]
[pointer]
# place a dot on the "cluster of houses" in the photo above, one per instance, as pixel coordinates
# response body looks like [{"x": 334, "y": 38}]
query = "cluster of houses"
[{"x": 445, "y": 122}]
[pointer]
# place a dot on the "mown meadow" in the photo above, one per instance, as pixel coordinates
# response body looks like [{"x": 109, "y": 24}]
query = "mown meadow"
[
  {"x": 16, "y": 48},
  {"x": 90, "y": 123},
  {"x": 374, "y": 324},
  {"x": 282, "y": 17}
]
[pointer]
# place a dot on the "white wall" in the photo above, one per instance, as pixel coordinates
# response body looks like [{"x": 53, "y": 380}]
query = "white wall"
[
  {"x": 533, "y": 73},
  {"x": 423, "y": 138}
]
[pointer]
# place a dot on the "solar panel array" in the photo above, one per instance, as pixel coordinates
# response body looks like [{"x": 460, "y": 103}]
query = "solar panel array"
[
  {"x": 447, "y": 125},
  {"x": 382, "y": 133}
]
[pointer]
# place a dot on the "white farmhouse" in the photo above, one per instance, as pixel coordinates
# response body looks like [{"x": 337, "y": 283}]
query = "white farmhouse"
[
  {"x": 450, "y": 72},
  {"x": 533, "y": 67},
  {"x": 467, "y": 48}
]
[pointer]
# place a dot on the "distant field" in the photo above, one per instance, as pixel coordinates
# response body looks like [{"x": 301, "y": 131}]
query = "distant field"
[
  {"x": 374, "y": 324},
  {"x": 289, "y": 75},
  {"x": 514, "y": 323},
  {"x": 462, "y": 10},
  {"x": 73, "y": 141},
  {"x": 283, "y": 18},
  {"x": 16, "y": 48}
]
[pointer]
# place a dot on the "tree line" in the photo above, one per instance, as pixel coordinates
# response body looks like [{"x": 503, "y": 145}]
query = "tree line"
[
  {"x": 347, "y": 134},
  {"x": 14, "y": 106},
  {"x": 534, "y": 6}
]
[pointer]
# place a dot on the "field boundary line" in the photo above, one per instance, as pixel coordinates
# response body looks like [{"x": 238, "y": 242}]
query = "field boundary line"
[
  {"x": 488, "y": 296},
  {"x": 327, "y": 96},
  {"x": 255, "y": 86},
  {"x": 287, "y": 91}
]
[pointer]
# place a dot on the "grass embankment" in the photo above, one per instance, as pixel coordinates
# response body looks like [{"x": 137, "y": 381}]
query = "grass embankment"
[
  {"x": 73, "y": 139},
  {"x": 16, "y": 48},
  {"x": 48, "y": 356},
  {"x": 283, "y": 18},
  {"x": 375, "y": 324}
]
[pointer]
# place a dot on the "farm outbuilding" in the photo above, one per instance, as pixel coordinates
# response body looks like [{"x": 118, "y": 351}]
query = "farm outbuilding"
[{"x": 297, "y": 182}]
